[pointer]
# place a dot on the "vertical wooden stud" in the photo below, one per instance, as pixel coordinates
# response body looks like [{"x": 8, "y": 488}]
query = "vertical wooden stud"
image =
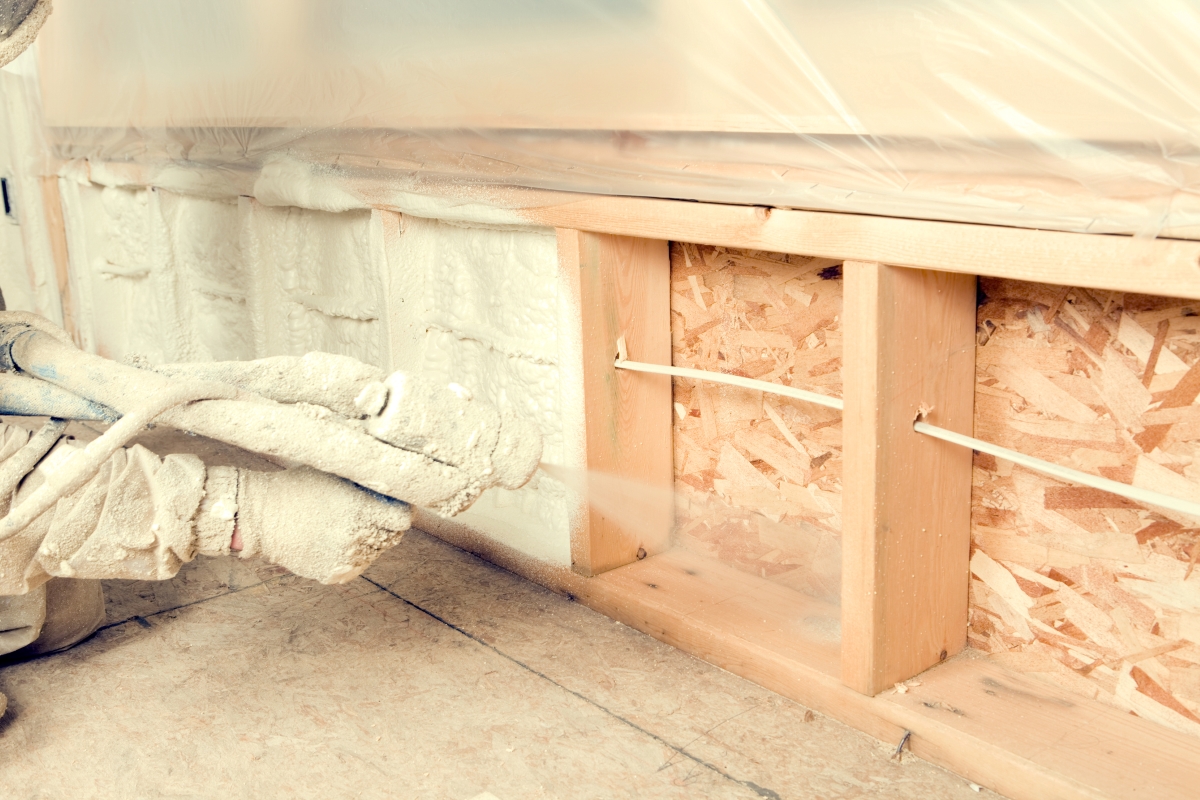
[
  {"x": 56, "y": 231},
  {"x": 624, "y": 286},
  {"x": 909, "y": 351}
]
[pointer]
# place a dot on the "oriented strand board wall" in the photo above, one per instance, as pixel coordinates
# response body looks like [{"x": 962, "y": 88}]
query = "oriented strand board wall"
[
  {"x": 759, "y": 477},
  {"x": 1092, "y": 591}
]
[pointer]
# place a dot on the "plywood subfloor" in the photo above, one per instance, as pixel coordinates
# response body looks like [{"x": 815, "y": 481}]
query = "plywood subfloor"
[{"x": 436, "y": 675}]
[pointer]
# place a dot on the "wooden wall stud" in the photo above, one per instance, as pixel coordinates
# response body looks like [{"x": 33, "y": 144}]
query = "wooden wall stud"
[
  {"x": 909, "y": 350},
  {"x": 624, "y": 291}
]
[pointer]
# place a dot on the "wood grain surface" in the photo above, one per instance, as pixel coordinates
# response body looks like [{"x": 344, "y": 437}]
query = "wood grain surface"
[
  {"x": 909, "y": 352},
  {"x": 624, "y": 286}
]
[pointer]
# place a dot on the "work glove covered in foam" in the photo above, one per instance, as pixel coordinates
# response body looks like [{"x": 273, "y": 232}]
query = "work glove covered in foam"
[{"x": 314, "y": 524}]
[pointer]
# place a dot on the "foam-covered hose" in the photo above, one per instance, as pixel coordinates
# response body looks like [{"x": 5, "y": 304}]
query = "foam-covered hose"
[
  {"x": 424, "y": 443},
  {"x": 20, "y": 21},
  {"x": 22, "y": 396},
  {"x": 15, "y": 468},
  {"x": 87, "y": 462},
  {"x": 321, "y": 379},
  {"x": 322, "y": 440}
]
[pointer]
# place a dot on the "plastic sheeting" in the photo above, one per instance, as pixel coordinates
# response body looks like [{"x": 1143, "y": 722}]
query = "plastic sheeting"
[{"x": 1075, "y": 115}]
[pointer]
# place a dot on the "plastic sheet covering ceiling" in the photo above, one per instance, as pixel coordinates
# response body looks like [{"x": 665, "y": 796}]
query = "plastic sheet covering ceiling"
[{"x": 1077, "y": 115}]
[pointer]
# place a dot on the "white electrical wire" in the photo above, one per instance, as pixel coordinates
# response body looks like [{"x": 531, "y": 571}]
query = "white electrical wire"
[
  {"x": 733, "y": 380},
  {"x": 1134, "y": 493}
]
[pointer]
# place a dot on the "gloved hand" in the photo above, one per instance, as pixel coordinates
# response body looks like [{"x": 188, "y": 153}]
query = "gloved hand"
[{"x": 316, "y": 525}]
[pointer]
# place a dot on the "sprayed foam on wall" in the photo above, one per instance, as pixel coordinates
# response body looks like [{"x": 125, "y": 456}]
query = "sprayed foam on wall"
[
  {"x": 315, "y": 283},
  {"x": 171, "y": 276},
  {"x": 212, "y": 320},
  {"x": 27, "y": 247},
  {"x": 493, "y": 316}
]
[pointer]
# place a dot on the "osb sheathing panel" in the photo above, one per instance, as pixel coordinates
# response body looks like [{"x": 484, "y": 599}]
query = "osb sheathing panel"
[
  {"x": 759, "y": 478},
  {"x": 1092, "y": 591}
]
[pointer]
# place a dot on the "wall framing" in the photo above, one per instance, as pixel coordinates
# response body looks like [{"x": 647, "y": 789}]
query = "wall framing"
[{"x": 1017, "y": 735}]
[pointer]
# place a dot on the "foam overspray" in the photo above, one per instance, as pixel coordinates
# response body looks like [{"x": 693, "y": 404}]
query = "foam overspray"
[{"x": 630, "y": 504}]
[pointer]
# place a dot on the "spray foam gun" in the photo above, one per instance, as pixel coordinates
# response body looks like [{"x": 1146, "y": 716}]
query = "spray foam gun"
[{"x": 401, "y": 436}]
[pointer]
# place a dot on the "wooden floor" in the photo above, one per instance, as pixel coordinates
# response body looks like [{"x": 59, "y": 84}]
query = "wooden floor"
[
  {"x": 1024, "y": 737},
  {"x": 435, "y": 676}
]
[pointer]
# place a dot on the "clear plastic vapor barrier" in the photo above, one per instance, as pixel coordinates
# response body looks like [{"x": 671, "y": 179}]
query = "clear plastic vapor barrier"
[{"x": 1070, "y": 115}]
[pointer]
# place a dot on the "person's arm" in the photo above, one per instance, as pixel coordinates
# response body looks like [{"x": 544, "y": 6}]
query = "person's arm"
[{"x": 141, "y": 517}]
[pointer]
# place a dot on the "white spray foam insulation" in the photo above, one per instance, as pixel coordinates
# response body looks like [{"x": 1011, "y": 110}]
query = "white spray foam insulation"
[
  {"x": 287, "y": 182},
  {"x": 109, "y": 238},
  {"x": 494, "y": 321},
  {"x": 213, "y": 319},
  {"x": 175, "y": 277},
  {"x": 315, "y": 282},
  {"x": 18, "y": 292},
  {"x": 27, "y": 266}
]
